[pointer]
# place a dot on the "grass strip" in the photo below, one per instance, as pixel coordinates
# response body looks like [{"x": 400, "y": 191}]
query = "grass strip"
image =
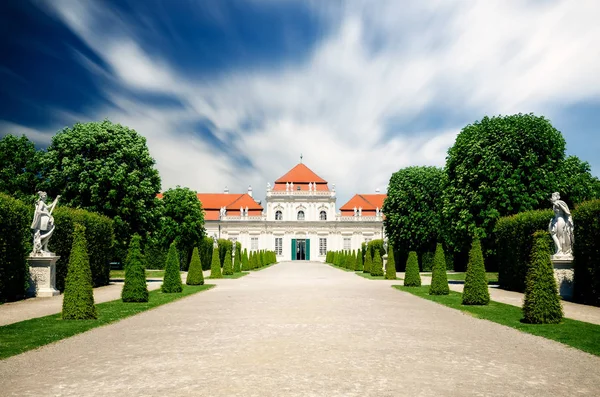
[
  {"x": 30, "y": 334},
  {"x": 578, "y": 334},
  {"x": 149, "y": 274},
  {"x": 491, "y": 276},
  {"x": 232, "y": 276},
  {"x": 370, "y": 277},
  {"x": 341, "y": 268},
  {"x": 264, "y": 267}
]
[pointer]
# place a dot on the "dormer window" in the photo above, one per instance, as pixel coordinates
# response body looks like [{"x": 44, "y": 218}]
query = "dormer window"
[
  {"x": 300, "y": 215},
  {"x": 278, "y": 216},
  {"x": 298, "y": 188}
]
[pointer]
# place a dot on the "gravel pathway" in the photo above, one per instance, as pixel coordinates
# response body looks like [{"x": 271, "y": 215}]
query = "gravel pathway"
[{"x": 302, "y": 329}]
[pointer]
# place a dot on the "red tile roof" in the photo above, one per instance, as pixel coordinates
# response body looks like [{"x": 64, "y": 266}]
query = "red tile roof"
[
  {"x": 301, "y": 173},
  {"x": 368, "y": 202},
  {"x": 212, "y": 203}
]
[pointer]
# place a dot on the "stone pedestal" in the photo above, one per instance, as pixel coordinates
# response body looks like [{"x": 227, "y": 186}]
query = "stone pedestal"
[
  {"x": 42, "y": 271},
  {"x": 563, "y": 274}
]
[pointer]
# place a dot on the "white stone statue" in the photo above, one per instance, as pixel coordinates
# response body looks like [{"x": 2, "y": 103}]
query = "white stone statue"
[
  {"x": 359, "y": 211},
  {"x": 377, "y": 211},
  {"x": 333, "y": 187},
  {"x": 292, "y": 186},
  {"x": 215, "y": 243},
  {"x": 561, "y": 227},
  {"x": 246, "y": 210},
  {"x": 241, "y": 211},
  {"x": 268, "y": 186},
  {"x": 287, "y": 186},
  {"x": 310, "y": 187},
  {"x": 42, "y": 226},
  {"x": 355, "y": 211}
]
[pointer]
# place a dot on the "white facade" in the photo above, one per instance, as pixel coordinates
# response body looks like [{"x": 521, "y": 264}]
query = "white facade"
[{"x": 281, "y": 228}]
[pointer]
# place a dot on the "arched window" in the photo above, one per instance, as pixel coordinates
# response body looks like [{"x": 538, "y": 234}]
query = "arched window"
[
  {"x": 300, "y": 215},
  {"x": 278, "y": 215},
  {"x": 323, "y": 215}
]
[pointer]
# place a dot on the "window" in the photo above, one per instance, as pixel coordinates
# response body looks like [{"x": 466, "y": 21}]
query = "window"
[
  {"x": 278, "y": 245},
  {"x": 300, "y": 215},
  {"x": 253, "y": 243},
  {"x": 278, "y": 215},
  {"x": 323, "y": 215},
  {"x": 322, "y": 246},
  {"x": 367, "y": 240},
  {"x": 347, "y": 243}
]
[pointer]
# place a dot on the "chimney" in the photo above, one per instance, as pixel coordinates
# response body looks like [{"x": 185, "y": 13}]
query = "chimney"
[
  {"x": 250, "y": 190},
  {"x": 377, "y": 191},
  {"x": 226, "y": 191}
]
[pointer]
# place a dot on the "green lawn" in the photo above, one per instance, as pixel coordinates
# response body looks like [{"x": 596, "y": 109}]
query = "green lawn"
[
  {"x": 30, "y": 334},
  {"x": 149, "y": 273},
  {"x": 264, "y": 267},
  {"x": 577, "y": 334},
  {"x": 341, "y": 268},
  {"x": 492, "y": 277},
  {"x": 368, "y": 275},
  {"x": 234, "y": 275}
]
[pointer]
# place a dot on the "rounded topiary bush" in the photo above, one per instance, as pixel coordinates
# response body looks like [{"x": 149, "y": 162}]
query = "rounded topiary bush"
[
  {"x": 390, "y": 266},
  {"x": 78, "y": 299},
  {"x": 476, "y": 288},
  {"x": 439, "y": 279},
  {"x": 135, "y": 288},
  {"x": 172, "y": 280},
  {"x": 412, "y": 278},
  {"x": 227, "y": 267},
  {"x": 215, "y": 265},
  {"x": 195, "y": 275},
  {"x": 377, "y": 266},
  {"x": 542, "y": 303}
]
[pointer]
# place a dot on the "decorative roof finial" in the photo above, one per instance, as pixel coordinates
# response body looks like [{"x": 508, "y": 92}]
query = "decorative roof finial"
[{"x": 301, "y": 158}]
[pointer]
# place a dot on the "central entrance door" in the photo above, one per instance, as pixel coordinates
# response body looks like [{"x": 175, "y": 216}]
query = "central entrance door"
[{"x": 300, "y": 249}]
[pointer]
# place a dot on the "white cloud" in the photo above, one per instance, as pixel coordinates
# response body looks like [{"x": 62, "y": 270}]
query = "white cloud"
[{"x": 382, "y": 60}]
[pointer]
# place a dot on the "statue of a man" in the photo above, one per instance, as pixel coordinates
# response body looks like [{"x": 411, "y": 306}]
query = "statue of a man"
[
  {"x": 42, "y": 226},
  {"x": 561, "y": 226}
]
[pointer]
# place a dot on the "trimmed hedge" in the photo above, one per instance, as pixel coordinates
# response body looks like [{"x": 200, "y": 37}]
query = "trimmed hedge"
[
  {"x": 15, "y": 245},
  {"x": 215, "y": 265},
  {"x": 390, "y": 268},
  {"x": 224, "y": 245},
  {"x": 586, "y": 251},
  {"x": 99, "y": 235},
  {"x": 227, "y": 266},
  {"x": 78, "y": 299},
  {"x": 514, "y": 242},
  {"x": 541, "y": 304},
  {"x": 156, "y": 256},
  {"x": 205, "y": 250},
  {"x": 377, "y": 265}
]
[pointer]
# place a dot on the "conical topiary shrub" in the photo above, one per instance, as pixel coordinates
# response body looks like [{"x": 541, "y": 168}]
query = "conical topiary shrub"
[
  {"x": 377, "y": 266},
  {"x": 439, "y": 279},
  {"x": 359, "y": 261},
  {"x": 237, "y": 262},
  {"x": 227, "y": 267},
  {"x": 135, "y": 288},
  {"x": 245, "y": 266},
  {"x": 78, "y": 297},
  {"x": 195, "y": 275},
  {"x": 368, "y": 262},
  {"x": 476, "y": 289},
  {"x": 390, "y": 266},
  {"x": 542, "y": 303},
  {"x": 172, "y": 280},
  {"x": 353, "y": 261},
  {"x": 215, "y": 265},
  {"x": 412, "y": 278}
]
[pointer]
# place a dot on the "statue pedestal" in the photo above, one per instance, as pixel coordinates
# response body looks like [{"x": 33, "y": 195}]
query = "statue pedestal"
[
  {"x": 42, "y": 273},
  {"x": 564, "y": 275}
]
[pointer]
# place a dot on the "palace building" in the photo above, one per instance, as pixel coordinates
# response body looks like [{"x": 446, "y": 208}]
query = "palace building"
[{"x": 298, "y": 221}]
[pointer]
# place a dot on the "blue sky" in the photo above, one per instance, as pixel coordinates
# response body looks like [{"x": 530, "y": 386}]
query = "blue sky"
[{"x": 230, "y": 92}]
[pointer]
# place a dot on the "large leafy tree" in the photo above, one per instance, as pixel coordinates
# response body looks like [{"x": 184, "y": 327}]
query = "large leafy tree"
[
  {"x": 499, "y": 166},
  {"x": 182, "y": 220},
  {"x": 19, "y": 174},
  {"x": 413, "y": 206},
  {"x": 106, "y": 168},
  {"x": 576, "y": 183}
]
